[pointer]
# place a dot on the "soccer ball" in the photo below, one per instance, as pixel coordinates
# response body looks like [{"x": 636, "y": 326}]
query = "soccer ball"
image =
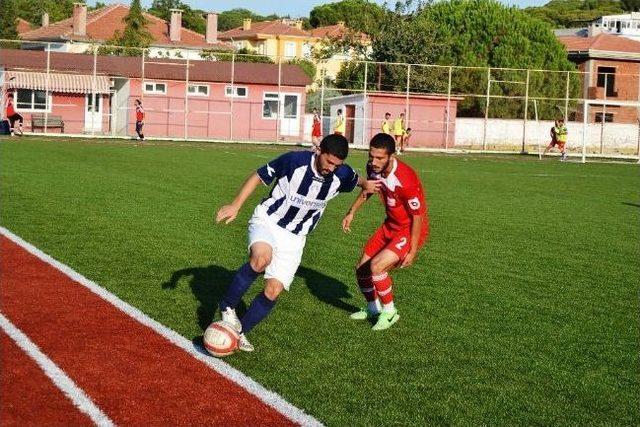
[{"x": 220, "y": 339}]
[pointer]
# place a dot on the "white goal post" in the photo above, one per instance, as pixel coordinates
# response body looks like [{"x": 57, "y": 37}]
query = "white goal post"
[{"x": 604, "y": 103}]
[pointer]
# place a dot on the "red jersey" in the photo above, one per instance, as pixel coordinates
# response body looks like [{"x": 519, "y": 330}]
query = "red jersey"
[
  {"x": 402, "y": 195},
  {"x": 10, "y": 110},
  {"x": 316, "y": 131},
  {"x": 139, "y": 113}
]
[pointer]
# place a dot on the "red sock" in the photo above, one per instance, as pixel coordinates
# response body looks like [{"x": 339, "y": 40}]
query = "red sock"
[
  {"x": 382, "y": 283},
  {"x": 367, "y": 288}
]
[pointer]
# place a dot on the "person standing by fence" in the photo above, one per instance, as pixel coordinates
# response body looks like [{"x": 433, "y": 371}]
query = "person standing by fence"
[
  {"x": 386, "y": 126},
  {"x": 13, "y": 116},
  {"x": 316, "y": 130},
  {"x": 398, "y": 132},
  {"x": 139, "y": 119},
  {"x": 340, "y": 126}
]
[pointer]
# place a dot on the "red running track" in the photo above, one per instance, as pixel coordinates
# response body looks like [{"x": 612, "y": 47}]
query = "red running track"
[{"x": 132, "y": 373}]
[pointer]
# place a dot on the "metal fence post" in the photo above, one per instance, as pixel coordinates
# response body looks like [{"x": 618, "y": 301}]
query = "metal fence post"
[
  {"x": 566, "y": 99},
  {"x": 233, "y": 96},
  {"x": 93, "y": 93},
  {"x": 323, "y": 72},
  {"x": 279, "y": 98},
  {"x": 406, "y": 102},
  {"x": 186, "y": 102},
  {"x": 364, "y": 105},
  {"x": 446, "y": 137},
  {"x": 526, "y": 107},
  {"x": 486, "y": 110},
  {"x": 47, "y": 92}
]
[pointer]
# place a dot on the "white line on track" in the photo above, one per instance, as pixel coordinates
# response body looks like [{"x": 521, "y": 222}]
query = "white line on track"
[
  {"x": 268, "y": 397},
  {"x": 57, "y": 375}
]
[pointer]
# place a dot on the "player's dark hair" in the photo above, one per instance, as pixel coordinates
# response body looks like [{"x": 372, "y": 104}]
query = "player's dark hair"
[
  {"x": 336, "y": 145},
  {"x": 384, "y": 140},
  {"x": 387, "y": 114}
]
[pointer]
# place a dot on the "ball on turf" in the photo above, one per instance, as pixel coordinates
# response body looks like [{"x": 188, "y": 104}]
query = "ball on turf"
[{"x": 220, "y": 339}]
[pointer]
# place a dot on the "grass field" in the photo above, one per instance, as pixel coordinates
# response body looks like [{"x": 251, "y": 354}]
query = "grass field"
[{"x": 522, "y": 309}]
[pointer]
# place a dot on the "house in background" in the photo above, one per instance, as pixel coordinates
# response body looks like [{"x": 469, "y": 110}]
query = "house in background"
[
  {"x": 611, "y": 66},
  {"x": 426, "y": 115},
  {"x": 261, "y": 104},
  {"x": 287, "y": 39},
  {"x": 78, "y": 33},
  {"x": 626, "y": 25}
]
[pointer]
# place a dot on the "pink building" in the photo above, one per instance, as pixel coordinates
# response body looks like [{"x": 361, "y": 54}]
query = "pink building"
[
  {"x": 426, "y": 115},
  {"x": 195, "y": 99}
]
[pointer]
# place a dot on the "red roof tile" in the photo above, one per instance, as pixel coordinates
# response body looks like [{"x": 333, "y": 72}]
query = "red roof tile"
[
  {"x": 104, "y": 22},
  {"x": 117, "y": 66},
  {"x": 602, "y": 42},
  {"x": 336, "y": 32},
  {"x": 276, "y": 28}
]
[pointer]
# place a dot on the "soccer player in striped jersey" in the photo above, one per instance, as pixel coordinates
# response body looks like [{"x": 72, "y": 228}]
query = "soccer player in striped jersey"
[
  {"x": 397, "y": 241},
  {"x": 304, "y": 182}
]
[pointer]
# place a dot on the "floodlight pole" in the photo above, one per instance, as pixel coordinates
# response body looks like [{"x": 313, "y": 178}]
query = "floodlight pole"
[
  {"x": 233, "y": 94},
  {"x": 186, "y": 102}
]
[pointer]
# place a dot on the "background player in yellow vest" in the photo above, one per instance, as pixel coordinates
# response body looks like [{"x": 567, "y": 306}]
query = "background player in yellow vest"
[
  {"x": 386, "y": 124},
  {"x": 559, "y": 138},
  {"x": 398, "y": 132},
  {"x": 340, "y": 126}
]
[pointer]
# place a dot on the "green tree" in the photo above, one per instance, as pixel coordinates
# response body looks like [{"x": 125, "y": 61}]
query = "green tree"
[
  {"x": 630, "y": 5},
  {"x": 359, "y": 15},
  {"x": 307, "y": 66},
  {"x": 8, "y": 18},
  {"x": 241, "y": 55},
  {"x": 32, "y": 11},
  {"x": 135, "y": 34},
  {"x": 571, "y": 13},
  {"x": 192, "y": 19},
  {"x": 233, "y": 18}
]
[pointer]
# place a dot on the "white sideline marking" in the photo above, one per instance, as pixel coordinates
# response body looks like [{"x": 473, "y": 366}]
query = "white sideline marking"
[
  {"x": 60, "y": 379},
  {"x": 268, "y": 397}
]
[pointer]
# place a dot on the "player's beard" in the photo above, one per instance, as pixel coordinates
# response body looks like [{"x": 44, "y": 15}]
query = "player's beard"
[{"x": 383, "y": 168}]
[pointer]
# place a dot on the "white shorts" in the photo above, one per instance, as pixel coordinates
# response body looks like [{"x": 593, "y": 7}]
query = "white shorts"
[{"x": 287, "y": 247}]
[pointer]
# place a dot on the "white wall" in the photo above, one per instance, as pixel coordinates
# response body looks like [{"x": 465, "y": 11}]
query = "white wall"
[{"x": 500, "y": 132}]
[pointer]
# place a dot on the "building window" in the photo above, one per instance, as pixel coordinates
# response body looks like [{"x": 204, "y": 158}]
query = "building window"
[
  {"x": 608, "y": 117},
  {"x": 236, "y": 91},
  {"x": 155, "y": 88},
  {"x": 270, "y": 106},
  {"x": 198, "y": 90},
  {"x": 607, "y": 76},
  {"x": 289, "y": 49},
  {"x": 33, "y": 100}
]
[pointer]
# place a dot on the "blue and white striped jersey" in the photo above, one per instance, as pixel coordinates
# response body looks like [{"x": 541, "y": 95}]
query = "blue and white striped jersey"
[{"x": 300, "y": 194}]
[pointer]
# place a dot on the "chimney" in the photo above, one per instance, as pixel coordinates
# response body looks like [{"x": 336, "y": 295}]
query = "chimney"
[
  {"x": 175, "y": 26},
  {"x": 45, "y": 19},
  {"x": 594, "y": 29},
  {"x": 298, "y": 24},
  {"x": 79, "y": 19},
  {"x": 246, "y": 24},
  {"x": 212, "y": 28}
]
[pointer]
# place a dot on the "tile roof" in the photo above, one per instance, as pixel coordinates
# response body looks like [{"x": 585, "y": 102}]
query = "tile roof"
[
  {"x": 601, "y": 42},
  {"x": 337, "y": 32},
  {"x": 275, "y": 28},
  {"x": 166, "y": 69},
  {"x": 104, "y": 22},
  {"x": 23, "y": 26}
]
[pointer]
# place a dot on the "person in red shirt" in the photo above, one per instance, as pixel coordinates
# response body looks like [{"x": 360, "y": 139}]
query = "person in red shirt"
[
  {"x": 395, "y": 243},
  {"x": 316, "y": 130},
  {"x": 13, "y": 116},
  {"x": 139, "y": 119}
]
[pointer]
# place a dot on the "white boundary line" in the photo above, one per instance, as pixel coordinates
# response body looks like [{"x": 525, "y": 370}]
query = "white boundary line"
[
  {"x": 60, "y": 379},
  {"x": 268, "y": 397}
]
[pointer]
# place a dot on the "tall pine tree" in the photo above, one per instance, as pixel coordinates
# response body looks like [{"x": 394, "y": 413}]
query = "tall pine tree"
[{"x": 8, "y": 17}]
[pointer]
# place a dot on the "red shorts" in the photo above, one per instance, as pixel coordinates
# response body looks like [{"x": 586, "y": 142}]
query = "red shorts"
[
  {"x": 316, "y": 131},
  {"x": 397, "y": 241}
]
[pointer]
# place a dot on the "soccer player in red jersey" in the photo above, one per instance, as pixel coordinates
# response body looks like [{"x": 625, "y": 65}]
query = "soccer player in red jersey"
[
  {"x": 397, "y": 241},
  {"x": 139, "y": 119}
]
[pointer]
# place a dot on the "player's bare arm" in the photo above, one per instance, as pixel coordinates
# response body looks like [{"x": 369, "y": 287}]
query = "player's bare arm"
[
  {"x": 416, "y": 229},
  {"x": 359, "y": 201},
  {"x": 230, "y": 212}
]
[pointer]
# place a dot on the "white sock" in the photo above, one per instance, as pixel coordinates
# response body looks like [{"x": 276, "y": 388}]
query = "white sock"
[
  {"x": 389, "y": 307},
  {"x": 374, "y": 306}
]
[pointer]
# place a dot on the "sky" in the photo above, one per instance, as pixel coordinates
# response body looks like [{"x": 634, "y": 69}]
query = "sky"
[{"x": 293, "y": 8}]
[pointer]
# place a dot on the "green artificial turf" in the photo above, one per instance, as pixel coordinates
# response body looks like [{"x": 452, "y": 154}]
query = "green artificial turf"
[{"x": 522, "y": 309}]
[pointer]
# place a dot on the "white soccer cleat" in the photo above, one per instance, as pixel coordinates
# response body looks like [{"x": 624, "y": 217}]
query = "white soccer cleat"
[
  {"x": 229, "y": 315},
  {"x": 244, "y": 344}
]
